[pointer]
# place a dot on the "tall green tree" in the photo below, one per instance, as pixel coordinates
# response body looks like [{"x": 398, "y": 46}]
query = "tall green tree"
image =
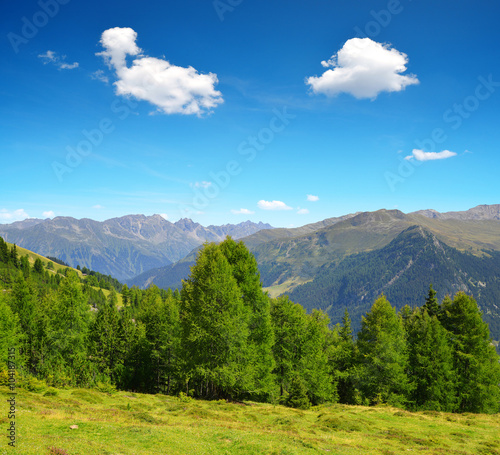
[
  {"x": 316, "y": 367},
  {"x": 105, "y": 345},
  {"x": 383, "y": 355},
  {"x": 289, "y": 324},
  {"x": 475, "y": 359},
  {"x": 430, "y": 363},
  {"x": 431, "y": 303},
  {"x": 11, "y": 338},
  {"x": 71, "y": 322},
  {"x": 261, "y": 337},
  {"x": 344, "y": 360},
  {"x": 214, "y": 322}
]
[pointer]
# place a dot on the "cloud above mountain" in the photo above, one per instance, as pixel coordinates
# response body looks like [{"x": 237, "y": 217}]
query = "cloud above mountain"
[
  {"x": 172, "y": 89},
  {"x": 273, "y": 205}
]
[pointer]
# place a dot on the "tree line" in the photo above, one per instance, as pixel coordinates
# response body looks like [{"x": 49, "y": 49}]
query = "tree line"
[{"x": 223, "y": 337}]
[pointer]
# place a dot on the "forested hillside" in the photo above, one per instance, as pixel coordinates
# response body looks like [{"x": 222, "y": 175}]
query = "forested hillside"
[
  {"x": 222, "y": 337},
  {"x": 403, "y": 270}
]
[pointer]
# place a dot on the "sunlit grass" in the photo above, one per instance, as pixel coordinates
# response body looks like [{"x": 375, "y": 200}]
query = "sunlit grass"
[{"x": 128, "y": 423}]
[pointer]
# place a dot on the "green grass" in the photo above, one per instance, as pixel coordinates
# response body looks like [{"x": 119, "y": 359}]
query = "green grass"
[
  {"x": 129, "y": 423},
  {"x": 33, "y": 256}
]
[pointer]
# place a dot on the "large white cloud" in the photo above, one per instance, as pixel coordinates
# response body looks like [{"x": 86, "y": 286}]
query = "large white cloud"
[
  {"x": 172, "y": 89},
  {"x": 363, "y": 68},
  {"x": 420, "y": 155},
  {"x": 273, "y": 205},
  {"x": 11, "y": 216}
]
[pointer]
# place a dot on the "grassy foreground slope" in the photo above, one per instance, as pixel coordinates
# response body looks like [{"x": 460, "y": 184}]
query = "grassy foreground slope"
[{"x": 128, "y": 423}]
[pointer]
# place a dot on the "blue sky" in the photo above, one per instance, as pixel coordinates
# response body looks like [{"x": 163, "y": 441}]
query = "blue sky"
[{"x": 286, "y": 112}]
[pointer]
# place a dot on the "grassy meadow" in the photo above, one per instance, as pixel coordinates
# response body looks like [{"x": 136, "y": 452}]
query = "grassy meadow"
[{"x": 136, "y": 424}]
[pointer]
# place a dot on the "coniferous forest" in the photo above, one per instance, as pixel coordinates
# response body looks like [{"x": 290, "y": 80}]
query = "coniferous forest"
[{"x": 223, "y": 337}]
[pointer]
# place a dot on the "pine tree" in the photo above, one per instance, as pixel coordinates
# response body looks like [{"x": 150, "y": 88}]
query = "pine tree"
[
  {"x": 38, "y": 266},
  {"x": 11, "y": 331},
  {"x": 475, "y": 359},
  {"x": 261, "y": 336},
  {"x": 430, "y": 365},
  {"x": 215, "y": 330},
  {"x": 71, "y": 322},
  {"x": 315, "y": 366},
  {"x": 431, "y": 303},
  {"x": 382, "y": 350},
  {"x": 343, "y": 359},
  {"x": 105, "y": 346},
  {"x": 289, "y": 325},
  {"x": 298, "y": 394},
  {"x": 4, "y": 251}
]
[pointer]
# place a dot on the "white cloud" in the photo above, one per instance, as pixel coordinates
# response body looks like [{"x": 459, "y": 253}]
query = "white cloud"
[
  {"x": 49, "y": 214},
  {"x": 242, "y": 212},
  {"x": 164, "y": 215},
  {"x": 97, "y": 206},
  {"x": 363, "y": 68},
  {"x": 202, "y": 184},
  {"x": 52, "y": 57},
  {"x": 172, "y": 89},
  {"x": 16, "y": 215},
  {"x": 302, "y": 212},
  {"x": 312, "y": 198},
  {"x": 273, "y": 205},
  {"x": 99, "y": 76},
  {"x": 420, "y": 155}
]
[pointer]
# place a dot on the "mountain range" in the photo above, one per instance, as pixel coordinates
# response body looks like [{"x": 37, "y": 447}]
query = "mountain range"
[
  {"x": 122, "y": 247},
  {"x": 337, "y": 263},
  {"x": 346, "y": 262}
]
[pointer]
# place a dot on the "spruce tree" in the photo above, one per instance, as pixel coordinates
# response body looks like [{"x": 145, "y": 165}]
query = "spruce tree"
[
  {"x": 343, "y": 359},
  {"x": 261, "y": 336},
  {"x": 289, "y": 324},
  {"x": 215, "y": 331},
  {"x": 430, "y": 365},
  {"x": 105, "y": 345},
  {"x": 71, "y": 322},
  {"x": 383, "y": 355},
  {"x": 475, "y": 359},
  {"x": 315, "y": 366},
  {"x": 431, "y": 303}
]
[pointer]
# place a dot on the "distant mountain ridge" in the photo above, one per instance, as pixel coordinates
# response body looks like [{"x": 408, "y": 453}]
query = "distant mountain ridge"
[
  {"x": 480, "y": 212},
  {"x": 122, "y": 247},
  {"x": 290, "y": 257}
]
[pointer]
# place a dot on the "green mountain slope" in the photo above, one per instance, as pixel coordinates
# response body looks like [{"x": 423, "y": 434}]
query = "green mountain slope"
[{"x": 402, "y": 270}]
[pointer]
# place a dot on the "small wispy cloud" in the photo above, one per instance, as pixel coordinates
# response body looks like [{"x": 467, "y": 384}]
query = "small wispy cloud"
[
  {"x": 164, "y": 215},
  {"x": 312, "y": 198},
  {"x": 49, "y": 214},
  {"x": 100, "y": 76},
  {"x": 302, "y": 212},
  {"x": 273, "y": 205},
  {"x": 58, "y": 61},
  {"x": 97, "y": 206},
  {"x": 242, "y": 212},
  {"x": 420, "y": 155}
]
